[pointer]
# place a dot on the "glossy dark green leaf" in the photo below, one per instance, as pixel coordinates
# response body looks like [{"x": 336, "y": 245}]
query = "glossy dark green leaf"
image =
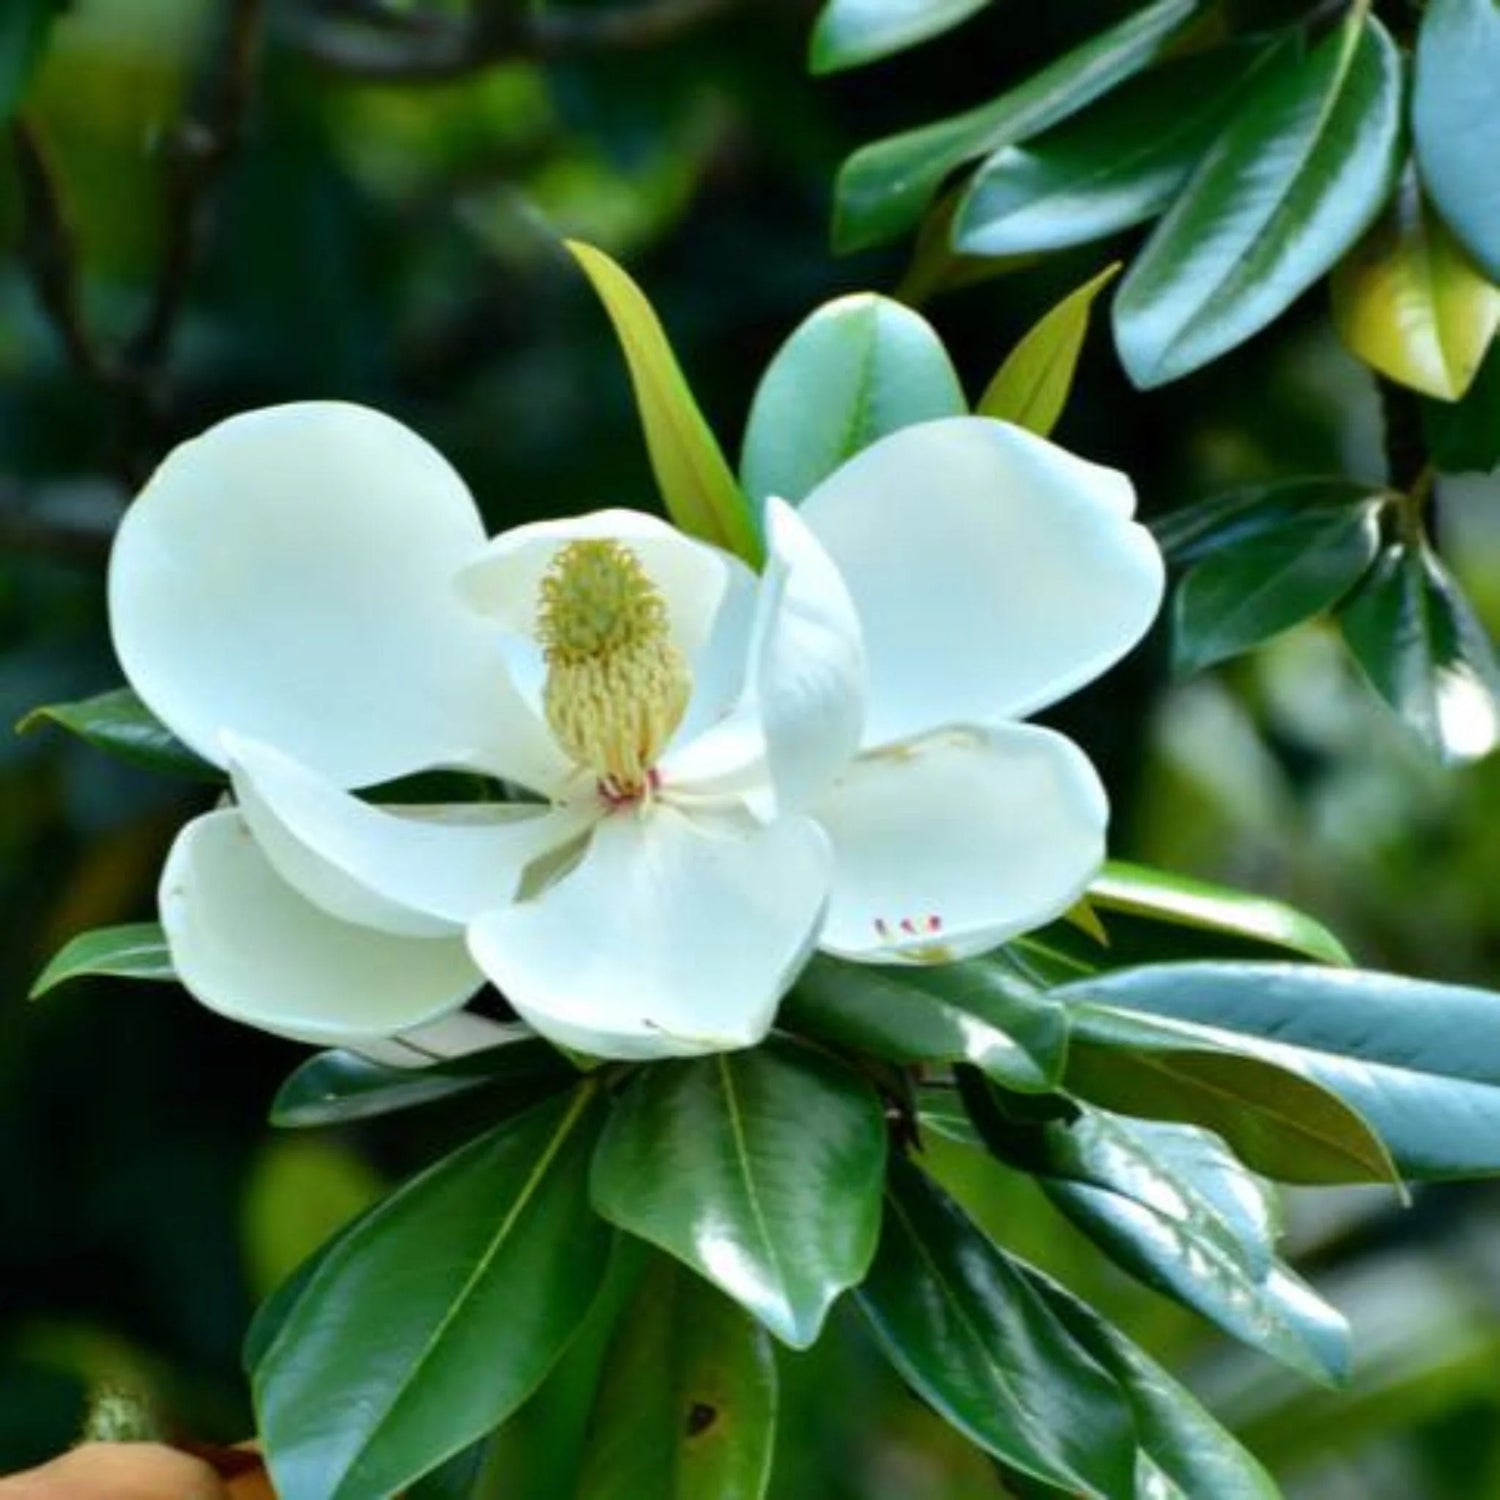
[
  {"x": 857, "y": 369},
  {"x": 1420, "y": 1061},
  {"x": 971, "y": 1011},
  {"x": 1464, "y": 435},
  {"x": 1418, "y": 641},
  {"x": 1273, "y": 1114},
  {"x": 1116, "y": 165},
  {"x": 438, "y": 1313},
  {"x": 1164, "y": 896},
  {"x": 883, "y": 188},
  {"x": 974, "y": 1339},
  {"x": 1296, "y": 177},
  {"x": 1171, "y": 1205},
  {"x": 1241, "y": 596},
  {"x": 851, "y": 33},
  {"x": 686, "y": 1408},
  {"x": 1183, "y": 1453},
  {"x": 761, "y": 1170},
  {"x": 24, "y": 25},
  {"x": 1455, "y": 122},
  {"x": 137, "y": 950},
  {"x": 1227, "y": 520},
  {"x": 334, "y": 1087},
  {"x": 1031, "y": 387},
  {"x": 120, "y": 723}
]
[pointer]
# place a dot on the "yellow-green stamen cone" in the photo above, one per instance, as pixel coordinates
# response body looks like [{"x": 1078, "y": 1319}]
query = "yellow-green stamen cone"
[{"x": 616, "y": 685}]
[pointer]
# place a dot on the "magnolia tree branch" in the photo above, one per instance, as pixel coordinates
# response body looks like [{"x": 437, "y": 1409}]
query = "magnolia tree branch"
[
  {"x": 202, "y": 148},
  {"x": 49, "y": 252},
  {"x": 423, "y": 52}
]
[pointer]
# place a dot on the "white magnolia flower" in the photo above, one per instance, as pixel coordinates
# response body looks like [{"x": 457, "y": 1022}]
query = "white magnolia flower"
[{"x": 724, "y": 771}]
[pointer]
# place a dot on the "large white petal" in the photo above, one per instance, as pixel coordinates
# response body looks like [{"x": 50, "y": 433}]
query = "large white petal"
[
  {"x": 947, "y": 845},
  {"x": 993, "y": 572},
  {"x": 674, "y": 936},
  {"x": 809, "y": 663},
  {"x": 504, "y": 583},
  {"x": 416, "y": 874},
  {"x": 289, "y": 575},
  {"x": 248, "y": 946}
]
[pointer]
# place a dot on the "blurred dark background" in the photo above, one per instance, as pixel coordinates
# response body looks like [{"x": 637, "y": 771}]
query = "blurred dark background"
[{"x": 223, "y": 213}]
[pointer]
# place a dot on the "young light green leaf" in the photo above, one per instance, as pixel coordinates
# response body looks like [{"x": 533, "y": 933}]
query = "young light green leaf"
[
  {"x": 686, "y": 1408},
  {"x": 975, "y": 1341},
  {"x": 1183, "y": 1453},
  {"x": 851, "y": 33},
  {"x": 1118, "y": 164},
  {"x": 696, "y": 483},
  {"x": 1031, "y": 387},
  {"x": 970, "y": 1012},
  {"x": 1273, "y": 1114},
  {"x": 857, "y": 369},
  {"x": 883, "y": 188},
  {"x": 137, "y": 950},
  {"x": 1296, "y": 177},
  {"x": 1455, "y": 123},
  {"x": 1241, "y": 596},
  {"x": 335, "y": 1087},
  {"x": 761, "y": 1170},
  {"x": 1227, "y": 520},
  {"x": 1420, "y": 1061},
  {"x": 1410, "y": 303},
  {"x": 1417, "y": 639},
  {"x": 438, "y": 1313},
  {"x": 118, "y": 722},
  {"x": 1164, "y": 896}
]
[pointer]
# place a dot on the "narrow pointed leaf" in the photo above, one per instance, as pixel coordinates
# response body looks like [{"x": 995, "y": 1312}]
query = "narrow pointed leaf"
[
  {"x": 883, "y": 188},
  {"x": 1420, "y": 1061},
  {"x": 1410, "y": 302},
  {"x": 1118, "y": 164},
  {"x": 118, "y": 722},
  {"x": 137, "y": 950},
  {"x": 1241, "y": 596},
  {"x": 1031, "y": 387},
  {"x": 761, "y": 1170},
  {"x": 972, "y": 1337},
  {"x": 1293, "y": 181},
  {"x": 686, "y": 1408},
  {"x": 336, "y": 1087},
  {"x": 1455, "y": 122},
  {"x": 696, "y": 483},
  {"x": 969, "y": 1012},
  {"x": 1418, "y": 641},
  {"x": 857, "y": 369},
  {"x": 1164, "y": 896},
  {"x": 438, "y": 1314},
  {"x": 851, "y": 33},
  {"x": 1270, "y": 1110},
  {"x": 1183, "y": 1453}
]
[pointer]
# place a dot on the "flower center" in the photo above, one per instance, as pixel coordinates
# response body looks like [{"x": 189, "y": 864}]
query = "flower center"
[{"x": 616, "y": 685}]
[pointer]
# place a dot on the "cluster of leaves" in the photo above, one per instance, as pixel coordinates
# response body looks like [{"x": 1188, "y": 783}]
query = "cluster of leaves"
[
  {"x": 1147, "y": 1063},
  {"x": 1271, "y": 160}
]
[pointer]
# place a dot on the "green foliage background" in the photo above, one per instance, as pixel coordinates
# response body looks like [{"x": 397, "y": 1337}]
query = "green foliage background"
[{"x": 397, "y": 244}]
